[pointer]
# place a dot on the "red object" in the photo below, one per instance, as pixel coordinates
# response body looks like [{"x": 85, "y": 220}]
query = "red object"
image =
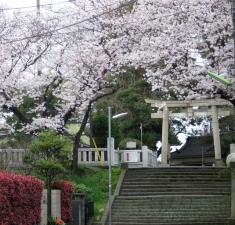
[
  {"x": 66, "y": 188},
  {"x": 20, "y": 199}
]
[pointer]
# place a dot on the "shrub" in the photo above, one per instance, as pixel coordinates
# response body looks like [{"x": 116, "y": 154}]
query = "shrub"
[
  {"x": 20, "y": 199},
  {"x": 82, "y": 188},
  {"x": 66, "y": 188}
]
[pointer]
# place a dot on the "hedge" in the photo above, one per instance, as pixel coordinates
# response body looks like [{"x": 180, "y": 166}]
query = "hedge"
[
  {"x": 66, "y": 188},
  {"x": 20, "y": 199}
]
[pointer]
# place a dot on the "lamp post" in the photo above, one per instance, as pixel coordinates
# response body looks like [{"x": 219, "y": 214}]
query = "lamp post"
[
  {"x": 141, "y": 135},
  {"x": 109, "y": 159}
]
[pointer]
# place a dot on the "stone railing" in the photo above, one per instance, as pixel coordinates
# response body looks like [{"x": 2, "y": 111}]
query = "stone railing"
[
  {"x": 90, "y": 156},
  {"x": 135, "y": 157},
  {"x": 11, "y": 157},
  {"x": 139, "y": 157}
]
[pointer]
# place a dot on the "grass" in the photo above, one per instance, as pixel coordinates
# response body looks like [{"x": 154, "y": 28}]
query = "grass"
[{"x": 98, "y": 180}]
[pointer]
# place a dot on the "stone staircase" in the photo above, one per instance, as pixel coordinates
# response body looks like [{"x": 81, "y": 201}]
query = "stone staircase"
[{"x": 173, "y": 195}]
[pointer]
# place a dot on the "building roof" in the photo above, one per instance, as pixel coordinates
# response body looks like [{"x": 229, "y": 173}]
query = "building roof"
[{"x": 194, "y": 147}]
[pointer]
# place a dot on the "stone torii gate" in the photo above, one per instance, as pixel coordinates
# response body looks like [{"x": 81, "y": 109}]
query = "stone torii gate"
[{"x": 206, "y": 107}]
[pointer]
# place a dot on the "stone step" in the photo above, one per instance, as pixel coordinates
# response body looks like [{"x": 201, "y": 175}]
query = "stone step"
[
  {"x": 173, "y": 215},
  {"x": 178, "y": 183},
  {"x": 168, "y": 203},
  {"x": 180, "y": 204},
  {"x": 177, "y": 174},
  {"x": 224, "y": 222},
  {"x": 168, "y": 219},
  {"x": 170, "y": 188},
  {"x": 181, "y": 211},
  {"x": 170, "y": 178},
  {"x": 194, "y": 192},
  {"x": 171, "y": 191},
  {"x": 179, "y": 168},
  {"x": 173, "y": 196},
  {"x": 167, "y": 185}
]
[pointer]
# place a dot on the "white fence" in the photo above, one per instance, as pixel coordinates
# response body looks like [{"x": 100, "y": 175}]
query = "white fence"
[
  {"x": 135, "y": 157},
  {"x": 11, "y": 157}
]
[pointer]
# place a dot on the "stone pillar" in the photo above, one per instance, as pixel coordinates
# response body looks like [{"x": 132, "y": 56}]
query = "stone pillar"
[
  {"x": 44, "y": 208},
  {"x": 216, "y": 136},
  {"x": 80, "y": 197},
  {"x": 112, "y": 151},
  {"x": 55, "y": 204},
  {"x": 165, "y": 134},
  {"x": 232, "y": 219},
  {"x": 145, "y": 156},
  {"x": 230, "y": 161}
]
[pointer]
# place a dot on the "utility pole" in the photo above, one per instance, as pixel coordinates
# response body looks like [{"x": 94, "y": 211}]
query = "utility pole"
[
  {"x": 38, "y": 52},
  {"x": 141, "y": 135},
  {"x": 38, "y": 7},
  {"x": 233, "y": 16}
]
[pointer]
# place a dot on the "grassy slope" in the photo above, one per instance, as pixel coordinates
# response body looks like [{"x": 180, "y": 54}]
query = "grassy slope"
[
  {"x": 97, "y": 180},
  {"x": 74, "y": 128}
]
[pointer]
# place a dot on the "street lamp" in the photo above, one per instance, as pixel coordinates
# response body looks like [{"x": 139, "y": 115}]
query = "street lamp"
[{"x": 109, "y": 155}]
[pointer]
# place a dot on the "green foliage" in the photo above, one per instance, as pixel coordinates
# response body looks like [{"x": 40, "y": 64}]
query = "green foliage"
[
  {"x": 227, "y": 172},
  {"x": 100, "y": 130},
  {"x": 12, "y": 142},
  {"x": 82, "y": 188},
  {"x": 49, "y": 152},
  {"x": 50, "y": 221},
  {"x": 133, "y": 100},
  {"x": 227, "y": 134},
  {"x": 96, "y": 179},
  {"x": 16, "y": 140},
  {"x": 26, "y": 110},
  {"x": 28, "y": 104}
]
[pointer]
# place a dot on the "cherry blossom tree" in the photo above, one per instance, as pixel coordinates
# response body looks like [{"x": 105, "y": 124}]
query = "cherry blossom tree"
[
  {"x": 71, "y": 56},
  {"x": 64, "y": 62},
  {"x": 167, "y": 37}
]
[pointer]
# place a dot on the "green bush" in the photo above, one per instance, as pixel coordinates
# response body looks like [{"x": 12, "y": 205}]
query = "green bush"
[
  {"x": 81, "y": 188},
  {"x": 96, "y": 181}
]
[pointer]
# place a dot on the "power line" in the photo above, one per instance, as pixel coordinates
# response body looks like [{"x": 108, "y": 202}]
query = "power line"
[
  {"x": 59, "y": 17},
  {"x": 70, "y": 25},
  {"x": 87, "y": 19},
  {"x": 28, "y": 7}
]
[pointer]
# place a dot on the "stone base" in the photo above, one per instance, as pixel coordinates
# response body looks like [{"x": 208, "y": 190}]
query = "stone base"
[
  {"x": 124, "y": 166},
  {"x": 231, "y": 222},
  {"x": 163, "y": 165},
  {"x": 218, "y": 162}
]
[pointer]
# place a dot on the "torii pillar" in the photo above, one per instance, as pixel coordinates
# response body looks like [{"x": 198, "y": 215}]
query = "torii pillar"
[
  {"x": 165, "y": 135},
  {"x": 214, "y": 111},
  {"x": 216, "y": 136}
]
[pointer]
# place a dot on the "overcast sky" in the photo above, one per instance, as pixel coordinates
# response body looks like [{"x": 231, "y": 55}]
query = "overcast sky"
[{"x": 27, "y": 3}]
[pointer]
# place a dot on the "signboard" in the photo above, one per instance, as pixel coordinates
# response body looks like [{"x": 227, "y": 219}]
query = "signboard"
[{"x": 130, "y": 156}]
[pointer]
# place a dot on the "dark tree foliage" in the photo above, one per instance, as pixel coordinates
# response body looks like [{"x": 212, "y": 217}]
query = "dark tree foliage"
[{"x": 100, "y": 130}]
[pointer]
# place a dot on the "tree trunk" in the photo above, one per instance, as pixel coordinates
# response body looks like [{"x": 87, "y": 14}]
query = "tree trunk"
[
  {"x": 78, "y": 136},
  {"x": 77, "y": 139}
]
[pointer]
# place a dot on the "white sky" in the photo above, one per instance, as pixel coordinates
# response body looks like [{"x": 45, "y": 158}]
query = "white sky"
[{"x": 27, "y": 3}]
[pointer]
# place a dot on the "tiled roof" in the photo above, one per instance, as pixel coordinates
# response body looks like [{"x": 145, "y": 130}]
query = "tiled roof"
[{"x": 194, "y": 147}]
